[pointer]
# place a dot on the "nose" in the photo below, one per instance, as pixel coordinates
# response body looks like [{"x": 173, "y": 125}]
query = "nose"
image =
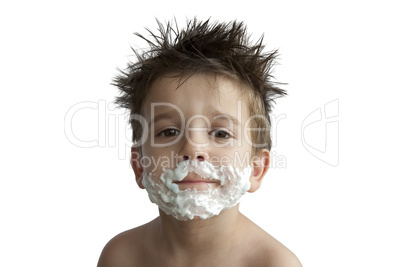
[
  {"x": 199, "y": 156},
  {"x": 189, "y": 150},
  {"x": 195, "y": 144}
]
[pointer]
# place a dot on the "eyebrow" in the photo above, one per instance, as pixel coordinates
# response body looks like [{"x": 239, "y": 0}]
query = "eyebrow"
[
  {"x": 217, "y": 116},
  {"x": 223, "y": 116},
  {"x": 161, "y": 116}
]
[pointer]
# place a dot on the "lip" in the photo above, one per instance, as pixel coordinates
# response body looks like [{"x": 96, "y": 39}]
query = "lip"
[
  {"x": 190, "y": 181},
  {"x": 196, "y": 182},
  {"x": 195, "y": 179}
]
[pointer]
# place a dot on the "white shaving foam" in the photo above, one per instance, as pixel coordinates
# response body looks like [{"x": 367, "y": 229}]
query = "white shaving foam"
[{"x": 189, "y": 203}]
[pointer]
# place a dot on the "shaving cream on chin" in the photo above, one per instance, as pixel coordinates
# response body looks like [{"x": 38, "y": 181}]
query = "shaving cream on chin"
[{"x": 189, "y": 203}]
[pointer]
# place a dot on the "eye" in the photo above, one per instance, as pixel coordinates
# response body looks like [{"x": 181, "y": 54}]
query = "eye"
[
  {"x": 221, "y": 134},
  {"x": 168, "y": 133}
]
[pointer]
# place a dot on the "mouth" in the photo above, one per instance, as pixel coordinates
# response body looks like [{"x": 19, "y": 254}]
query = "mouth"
[
  {"x": 192, "y": 180},
  {"x": 197, "y": 182},
  {"x": 195, "y": 178}
]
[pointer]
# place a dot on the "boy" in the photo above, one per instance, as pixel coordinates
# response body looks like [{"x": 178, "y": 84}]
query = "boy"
[{"x": 199, "y": 101}]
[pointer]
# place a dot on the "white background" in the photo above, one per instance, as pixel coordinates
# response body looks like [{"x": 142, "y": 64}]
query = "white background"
[{"x": 60, "y": 203}]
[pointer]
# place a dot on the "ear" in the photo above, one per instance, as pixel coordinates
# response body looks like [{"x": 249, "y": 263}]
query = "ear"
[
  {"x": 136, "y": 165},
  {"x": 260, "y": 166}
]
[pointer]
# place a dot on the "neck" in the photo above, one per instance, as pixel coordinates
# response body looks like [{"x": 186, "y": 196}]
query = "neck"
[{"x": 200, "y": 237}]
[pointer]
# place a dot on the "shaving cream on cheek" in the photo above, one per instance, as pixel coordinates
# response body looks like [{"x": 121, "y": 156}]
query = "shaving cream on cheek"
[{"x": 190, "y": 202}]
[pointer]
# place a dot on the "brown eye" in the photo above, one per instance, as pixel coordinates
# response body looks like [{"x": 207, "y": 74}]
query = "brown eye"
[
  {"x": 169, "y": 133},
  {"x": 221, "y": 134}
]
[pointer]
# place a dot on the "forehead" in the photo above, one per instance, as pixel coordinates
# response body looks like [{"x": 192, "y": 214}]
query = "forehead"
[{"x": 198, "y": 94}]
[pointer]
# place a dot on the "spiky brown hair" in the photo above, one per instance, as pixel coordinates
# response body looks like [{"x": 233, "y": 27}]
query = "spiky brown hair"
[{"x": 210, "y": 47}]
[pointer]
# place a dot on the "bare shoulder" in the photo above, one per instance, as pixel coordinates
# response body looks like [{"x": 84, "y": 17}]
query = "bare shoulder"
[
  {"x": 125, "y": 249},
  {"x": 268, "y": 251},
  {"x": 275, "y": 255}
]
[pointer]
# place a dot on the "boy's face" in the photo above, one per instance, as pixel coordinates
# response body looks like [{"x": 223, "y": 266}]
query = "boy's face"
[{"x": 204, "y": 119}]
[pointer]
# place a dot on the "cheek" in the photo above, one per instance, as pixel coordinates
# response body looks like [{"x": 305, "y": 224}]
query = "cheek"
[
  {"x": 156, "y": 159},
  {"x": 147, "y": 164},
  {"x": 238, "y": 157}
]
